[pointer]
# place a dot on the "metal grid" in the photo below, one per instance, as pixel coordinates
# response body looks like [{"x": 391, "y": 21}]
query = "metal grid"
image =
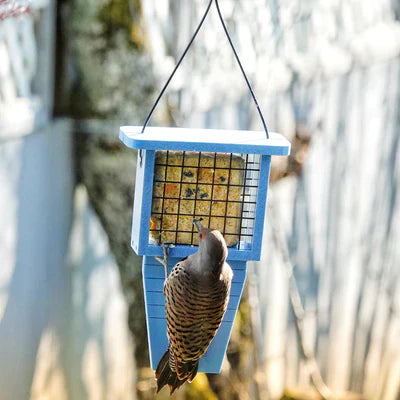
[{"x": 220, "y": 188}]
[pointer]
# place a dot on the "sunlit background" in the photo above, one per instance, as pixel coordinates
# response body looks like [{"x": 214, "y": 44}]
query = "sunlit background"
[{"x": 320, "y": 316}]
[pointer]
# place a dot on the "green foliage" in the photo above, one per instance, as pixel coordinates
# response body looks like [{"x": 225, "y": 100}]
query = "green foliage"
[
  {"x": 122, "y": 16},
  {"x": 199, "y": 389}
]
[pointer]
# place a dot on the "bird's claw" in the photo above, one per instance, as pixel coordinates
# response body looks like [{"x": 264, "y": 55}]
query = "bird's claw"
[{"x": 164, "y": 261}]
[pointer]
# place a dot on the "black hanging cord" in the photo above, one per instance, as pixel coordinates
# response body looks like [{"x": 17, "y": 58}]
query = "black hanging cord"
[
  {"x": 177, "y": 66},
  {"x": 241, "y": 68},
  {"x": 183, "y": 56}
]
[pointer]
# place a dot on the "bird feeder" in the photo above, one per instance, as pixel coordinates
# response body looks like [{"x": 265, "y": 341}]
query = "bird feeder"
[{"x": 219, "y": 176}]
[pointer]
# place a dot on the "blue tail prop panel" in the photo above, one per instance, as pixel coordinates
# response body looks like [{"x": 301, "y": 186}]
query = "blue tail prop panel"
[{"x": 153, "y": 281}]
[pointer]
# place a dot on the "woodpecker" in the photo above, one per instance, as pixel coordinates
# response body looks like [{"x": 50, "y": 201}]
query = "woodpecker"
[{"x": 196, "y": 297}]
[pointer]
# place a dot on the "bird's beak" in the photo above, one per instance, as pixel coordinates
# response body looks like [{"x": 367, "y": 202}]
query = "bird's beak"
[{"x": 198, "y": 224}]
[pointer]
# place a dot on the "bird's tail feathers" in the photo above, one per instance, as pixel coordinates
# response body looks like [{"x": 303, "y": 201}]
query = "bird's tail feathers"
[
  {"x": 193, "y": 373},
  {"x": 165, "y": 375},
  {"x": 187, "y": 370}
]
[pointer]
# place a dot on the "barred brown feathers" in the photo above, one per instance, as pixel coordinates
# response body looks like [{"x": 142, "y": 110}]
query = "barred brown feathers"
[{"x": 196, "y": 297}]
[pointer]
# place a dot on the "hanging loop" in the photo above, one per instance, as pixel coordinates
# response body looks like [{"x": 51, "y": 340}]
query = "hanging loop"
[
  {"x": 242, "y": 69},
  {"x": 184, "y": 54}
]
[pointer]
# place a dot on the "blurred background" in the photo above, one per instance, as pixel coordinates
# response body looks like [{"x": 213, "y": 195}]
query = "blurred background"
[{"x": 320, "y": 317}]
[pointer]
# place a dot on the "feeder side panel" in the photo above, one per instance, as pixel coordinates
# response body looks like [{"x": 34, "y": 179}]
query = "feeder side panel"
[
  {"x": 261, "y": 206},
  {"x": 142, "y": 202},
  {"x": 137, "y": 205}
]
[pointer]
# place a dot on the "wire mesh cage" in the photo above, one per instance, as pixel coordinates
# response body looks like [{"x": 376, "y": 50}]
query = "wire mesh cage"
[
  {"x": 219, "y": 176},
  {"x": 219, "y": 188}
]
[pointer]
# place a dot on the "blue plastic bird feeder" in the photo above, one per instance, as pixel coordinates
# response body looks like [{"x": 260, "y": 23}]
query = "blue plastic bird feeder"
[{"x": 217, "y": 175}]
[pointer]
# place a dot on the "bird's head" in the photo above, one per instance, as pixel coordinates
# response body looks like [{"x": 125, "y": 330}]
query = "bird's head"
[{"x": 212, "y": 246}]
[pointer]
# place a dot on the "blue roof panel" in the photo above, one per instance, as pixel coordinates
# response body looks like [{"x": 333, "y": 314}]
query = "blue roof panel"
[{"x": 226, "y": 141}]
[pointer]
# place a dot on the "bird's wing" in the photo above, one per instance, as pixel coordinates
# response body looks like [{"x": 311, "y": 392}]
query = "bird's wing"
[
  {"x": 194, "y": 311},
  {"x": 177, "y": 265}
]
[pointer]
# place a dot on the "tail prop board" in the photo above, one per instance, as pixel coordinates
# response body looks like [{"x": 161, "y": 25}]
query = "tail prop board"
[{"x": 153, "y": 281}]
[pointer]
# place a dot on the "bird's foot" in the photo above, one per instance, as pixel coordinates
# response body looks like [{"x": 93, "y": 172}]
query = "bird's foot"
[{"x": 164, "y": 261}]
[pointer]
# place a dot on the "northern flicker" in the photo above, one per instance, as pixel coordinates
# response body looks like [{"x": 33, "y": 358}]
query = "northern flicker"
[{"x": 196, "y": 297}]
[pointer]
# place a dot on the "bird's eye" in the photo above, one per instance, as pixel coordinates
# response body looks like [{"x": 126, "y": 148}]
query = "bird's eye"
[{"x": 201, "y": 236}]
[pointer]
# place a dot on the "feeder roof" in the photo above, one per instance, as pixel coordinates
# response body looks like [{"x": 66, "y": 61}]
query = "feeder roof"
[{"x": 229, "y": 141}]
